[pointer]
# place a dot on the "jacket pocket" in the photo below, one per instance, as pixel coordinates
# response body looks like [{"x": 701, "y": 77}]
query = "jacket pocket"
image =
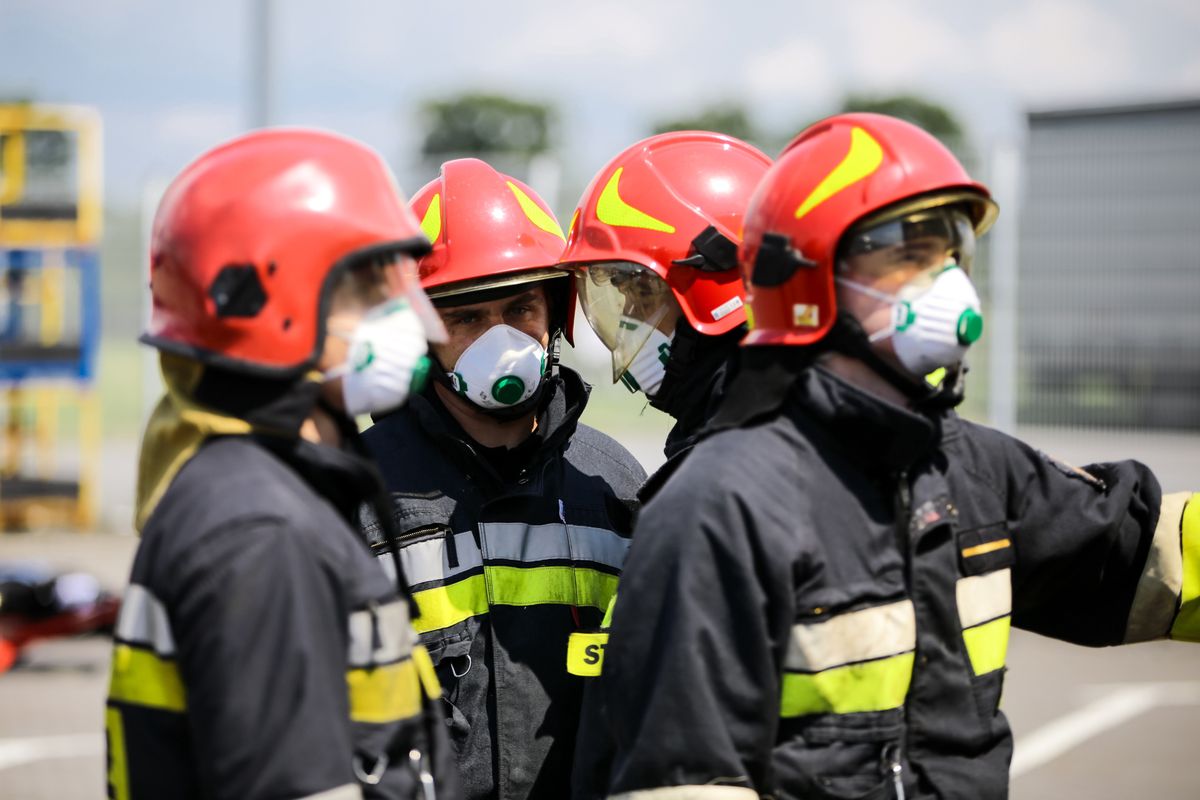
[
  {"x": 453, "y": 662},
  {"x": 846, "y": 758}
]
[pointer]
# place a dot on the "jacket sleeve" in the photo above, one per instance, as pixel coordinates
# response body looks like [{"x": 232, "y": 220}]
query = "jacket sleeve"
[
  {"x": 689, "y": 699},
  {"x": 262, "y": 641},
  {"x": 1103, "y": 557}
]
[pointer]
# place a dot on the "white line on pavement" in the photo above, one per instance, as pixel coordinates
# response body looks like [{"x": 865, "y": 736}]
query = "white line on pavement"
[
  {"x": 16, "y": 752},
  {"x": 1123, "y": 703}
]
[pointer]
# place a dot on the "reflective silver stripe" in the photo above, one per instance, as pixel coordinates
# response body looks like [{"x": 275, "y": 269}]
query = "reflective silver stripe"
[
  {"x": 982, "y": 598},
  {"x": 514, "y": 541},
  {"x": 708, "y": 792},
  {"x": 396, "y": 635},
  {"x": 853, "y": 637},
  {"x": 429, "y": 560},
  {"x": 598, "y": 545},
  {"x": 350, "y": 791},
  {"x": 1157, "y": 597},
  {"x": 143, "y": 620}
]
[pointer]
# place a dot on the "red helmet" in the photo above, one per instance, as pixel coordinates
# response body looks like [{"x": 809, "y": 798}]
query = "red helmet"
[
  {"x": 248, "y": 239},
  {"x": 489, "y": 230},
  {"x": 673, "y": 204},
  {"x": 838, "y": 173}
]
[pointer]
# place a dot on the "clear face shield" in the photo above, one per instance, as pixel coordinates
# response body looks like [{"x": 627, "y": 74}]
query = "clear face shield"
[
  {"x": 384, "y": 319},
  {"x": 627, "y": 305}
]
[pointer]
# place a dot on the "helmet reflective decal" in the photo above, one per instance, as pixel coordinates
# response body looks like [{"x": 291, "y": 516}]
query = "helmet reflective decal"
[
  {"x": 535, "y": 213},
  {"x": 863, "y": 158},
  {"x": 612, "y": 210},
  {"x": 431, "y": 223}
]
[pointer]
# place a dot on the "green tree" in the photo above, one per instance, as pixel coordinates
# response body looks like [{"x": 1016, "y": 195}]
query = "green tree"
[
  {"x": 727, "y": 118},
  {"x": 474, "y": 124},
  {"x": 933, "y": 117}
]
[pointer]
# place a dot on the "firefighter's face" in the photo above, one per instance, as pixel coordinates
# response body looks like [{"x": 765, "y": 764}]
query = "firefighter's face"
[
  {"x": 528, "y": 311},
  {"x": 357, "y": 291},
  {"x": 887, "y": 271}
]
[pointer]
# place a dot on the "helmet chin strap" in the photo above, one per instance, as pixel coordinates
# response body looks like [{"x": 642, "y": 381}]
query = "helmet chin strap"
[
  {"x": 524, "y": 408},
  {"x": 847, "y": 337}
]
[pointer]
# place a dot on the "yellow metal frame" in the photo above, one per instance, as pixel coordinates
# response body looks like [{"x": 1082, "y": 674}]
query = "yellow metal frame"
[
  {"x": 17, "y": 119},
  {"x": 39, "y": 411}
]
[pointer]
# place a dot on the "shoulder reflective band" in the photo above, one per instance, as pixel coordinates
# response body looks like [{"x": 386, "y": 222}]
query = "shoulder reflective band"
[
  {"x": 985, "y": 609},
  {"x": 143, "y": 621},
  {"x": 585, "y": 653},
  {"x": 142, "y": 677},
  {"x": 387, "y": 676},
  {"x": 380, "y": 635},
  {"x": 1187, "y": 622},
  {"x": 853, "y": 662},
  {"x": 386, "y": 694},
  {"x": 1156, "y": 603},
  {"x": 144, "y": 672}
]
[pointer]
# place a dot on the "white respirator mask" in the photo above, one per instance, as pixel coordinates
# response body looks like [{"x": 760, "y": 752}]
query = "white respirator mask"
[
  {"x": 500, "y": 369},
  {"x": 646, "y": 371},
  {"x": 386, "y": 361},
  {"x": 933, "y": 323}
]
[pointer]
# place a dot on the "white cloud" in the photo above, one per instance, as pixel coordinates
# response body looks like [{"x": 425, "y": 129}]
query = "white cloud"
[
  {"x": 798, "y": 72},
  {"x": 1060, "y": 49},
  {"x": 894, "y": 46}
]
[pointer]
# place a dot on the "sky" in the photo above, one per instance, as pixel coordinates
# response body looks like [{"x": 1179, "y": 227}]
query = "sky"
[{"x": 172, "y": 78}]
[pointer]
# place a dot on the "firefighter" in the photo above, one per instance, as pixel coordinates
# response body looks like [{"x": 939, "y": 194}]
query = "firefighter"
[
  {"x": 818, "y": 601},
  {"x": 261, "y": 652},
  {"x": 653, "y": 245},
  {"x": 654, "y": 249},
  {"x": 514, "y": 517}
]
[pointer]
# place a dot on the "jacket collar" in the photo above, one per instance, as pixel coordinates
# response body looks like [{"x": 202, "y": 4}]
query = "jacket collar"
[{"x": 871, "y": 430}]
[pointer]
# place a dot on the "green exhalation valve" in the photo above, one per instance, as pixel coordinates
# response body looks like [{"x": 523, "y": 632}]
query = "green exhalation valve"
[
  {"x": 970, "y": 326},
  {"x": 420, "y": 375},
  {"x": 508, "y": 390}
]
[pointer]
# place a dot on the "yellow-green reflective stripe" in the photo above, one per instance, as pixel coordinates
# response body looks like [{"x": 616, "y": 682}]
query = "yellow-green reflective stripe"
[
  {"x": 608, "y": 612},
  {"x": 1187, "y": 621},
  {"x": 537, "y": 215},
  {"x": 531, "y": 586},
  {"x": 428, "y": 675},
  {"x": 585, "y": 653},
  {"x": 142, "y": 678},
  {"x": 987, "y": 645},
  {"x": 118, "y": 766},
  {"x": 871, "y": 686},
  {"x": 384, "y": 694},
  {"x": 444, "y": 606},
  {"x": 611, "y": 209},
  {"x": 431, "y": 223}
]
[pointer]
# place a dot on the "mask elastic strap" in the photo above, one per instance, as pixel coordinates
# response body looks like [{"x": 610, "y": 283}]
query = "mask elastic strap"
[{"x": 882, "y": 333}]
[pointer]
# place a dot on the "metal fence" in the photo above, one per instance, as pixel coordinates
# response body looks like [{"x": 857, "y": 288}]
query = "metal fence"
[{"x": 1109, "y": 268}]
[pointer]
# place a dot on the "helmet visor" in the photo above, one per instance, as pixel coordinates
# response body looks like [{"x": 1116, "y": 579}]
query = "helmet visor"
[
  {"x": 375, "y": 281},
  {"x": 624, "y": 303},
  {"x": 918, "y": 241}
]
